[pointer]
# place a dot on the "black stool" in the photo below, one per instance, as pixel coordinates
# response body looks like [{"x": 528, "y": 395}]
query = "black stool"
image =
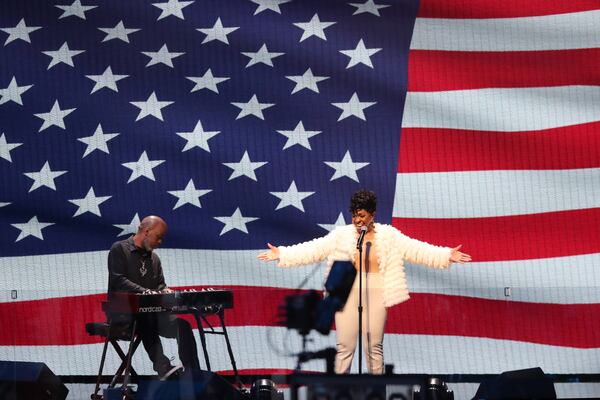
[{"x": 112, "y": 333}]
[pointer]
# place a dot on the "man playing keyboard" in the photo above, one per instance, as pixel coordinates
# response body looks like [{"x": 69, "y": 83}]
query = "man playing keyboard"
[{"x": 134, "y": 267}]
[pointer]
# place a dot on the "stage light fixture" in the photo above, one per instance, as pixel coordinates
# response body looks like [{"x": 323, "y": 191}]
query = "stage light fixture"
[{"x": 264, "y": 389}]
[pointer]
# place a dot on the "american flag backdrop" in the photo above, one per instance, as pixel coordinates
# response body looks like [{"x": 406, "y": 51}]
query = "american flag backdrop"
[{"x": 243, "y": 122}]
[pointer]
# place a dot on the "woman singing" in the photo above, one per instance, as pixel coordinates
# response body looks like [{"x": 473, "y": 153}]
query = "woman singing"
[{"x": 383, "y": 280}]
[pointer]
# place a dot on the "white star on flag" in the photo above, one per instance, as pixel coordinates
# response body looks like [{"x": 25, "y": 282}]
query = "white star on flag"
[
  {"x": 340, "y": 221},
  {"x": 152, "y": 106},
  {"x": 76, "y": 9},
  {"x": 262, "y": 56},
  {"x": 236, "y": 221},
  {"x": 20, "y": 31},
  {"x": 172, "y": 7},
  {"x": 314, "y": 27},
  {"x": 346, "y": 167},
  {"x": 13, "y": 92},
  {"x": 291, "y": 197},
  {"x": 359, "y": 55},
  {"x": 353, "y": 107},
  {"x": 54, "y": 117},
  {"x": 44, "y": 177},
  {"x": 245, "y": 167},
  {"x": 298, "y": 136},
  {"x": 142, "y": 167},
  {"x": 252, "y": 107},
  {"x": 6, "y": 147},
  {"x": 217, "y": 32},
  {"x": 272, "y": 5},
  {"x": 162, "y": 56},
  {"x": 98, "y": 141},
  {"x": 306, "y": 81},
  {"x": 31, "y": 228},
  {"x": 118, "y": 32},
  {"x": 90, "y": 203},
  {"x": 4, "y": 204},
  {"x": 368, "y": 7},
  {"x": 130, "y": 228},
  {"x": 106, "y": 80},
  {"x": 189, "y": 195},
  {"x": 206, "y": 81},
  {"x": 197, "y": 138},
  {"x": 63, "y": 55}
]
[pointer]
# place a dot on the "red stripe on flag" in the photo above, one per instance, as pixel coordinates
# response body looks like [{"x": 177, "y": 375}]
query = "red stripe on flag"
[
  {"x": 450, "y": 70},
  {"x": 55, "y": 321},
  {"x": 432, "y": 314},
  {"x": 426, "y": 149},
  {"x": 62, "y": 320},
  {"x": 554, "y": 324},
  {"x": 264, "y": 372},
  {"x": 521, "y": 237},
  {"x": 500, "y": 9}
]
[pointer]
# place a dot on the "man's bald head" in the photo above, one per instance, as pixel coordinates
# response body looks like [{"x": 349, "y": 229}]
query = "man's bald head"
[
  {"x": 150, "y": 233},
  {"x": 150, "y": 222}
]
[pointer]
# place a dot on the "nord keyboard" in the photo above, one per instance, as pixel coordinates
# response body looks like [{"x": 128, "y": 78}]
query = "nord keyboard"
[{"x": 207, "y": 301}]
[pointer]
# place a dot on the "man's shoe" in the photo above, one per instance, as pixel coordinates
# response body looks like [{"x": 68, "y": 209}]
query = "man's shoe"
[{"x": 173, "y": 373}]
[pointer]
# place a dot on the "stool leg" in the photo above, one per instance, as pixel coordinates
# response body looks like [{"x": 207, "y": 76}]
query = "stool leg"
[
  {"x": 129, "y": 354},
  {"x": 121, "y": 368},
  {"x": 96, "y": 396},
  {"x": 123, "y": 358},
  {"x": 137, "y": 342}
]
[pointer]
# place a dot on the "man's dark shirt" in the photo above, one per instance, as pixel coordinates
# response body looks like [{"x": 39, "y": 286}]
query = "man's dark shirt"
[{"x": 125, "y": 271}]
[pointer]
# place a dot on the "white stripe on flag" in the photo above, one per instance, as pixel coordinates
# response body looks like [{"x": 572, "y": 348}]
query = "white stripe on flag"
[
  {"x": 560, "y": 280},
  {"x": 409, "y": 354},
  {"x": 506, "y": 110},
  {"x": 59, "y": 275},
  {"x": 475, "y": 194},
  {"x": 549, "y": 32}
]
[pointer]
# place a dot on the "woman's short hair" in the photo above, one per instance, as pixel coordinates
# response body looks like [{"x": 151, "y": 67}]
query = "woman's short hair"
[{"x": 363, "y": 199}]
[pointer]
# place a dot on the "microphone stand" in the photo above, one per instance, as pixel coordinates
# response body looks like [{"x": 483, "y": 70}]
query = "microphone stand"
[{"x": 360, "y": 307}]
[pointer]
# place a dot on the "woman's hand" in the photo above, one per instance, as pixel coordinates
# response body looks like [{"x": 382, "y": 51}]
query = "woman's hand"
[
  {"x": 458, "y": 256},
  {"x": 271, "y": 255}
]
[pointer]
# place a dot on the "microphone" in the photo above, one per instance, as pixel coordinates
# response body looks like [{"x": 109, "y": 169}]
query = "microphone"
[{"x": 361, "y": 237}]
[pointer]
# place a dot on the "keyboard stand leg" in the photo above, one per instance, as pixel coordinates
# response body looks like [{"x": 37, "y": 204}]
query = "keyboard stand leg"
[
  {"x": 221, "y": 315},
  {"x": 202, "y": 339}
]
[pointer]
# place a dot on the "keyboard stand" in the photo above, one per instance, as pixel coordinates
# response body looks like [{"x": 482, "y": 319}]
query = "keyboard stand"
[{"x": 199, "y": 315}]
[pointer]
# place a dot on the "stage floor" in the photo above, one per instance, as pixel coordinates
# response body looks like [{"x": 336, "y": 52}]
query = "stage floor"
[{"x": 462, "y": 391}]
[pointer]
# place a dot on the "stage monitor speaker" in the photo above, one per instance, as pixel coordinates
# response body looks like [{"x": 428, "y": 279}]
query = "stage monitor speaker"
[
  {"x": 529, "y": 383},
  {"x": 192, "y": 385},
  {"x": 355, "y": 386},
  {"x": 21, "y": 380}
]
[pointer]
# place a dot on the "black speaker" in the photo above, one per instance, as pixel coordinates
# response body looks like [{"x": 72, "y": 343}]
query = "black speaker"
[
  {"x": 529, "y": 383},
  {"x": 21, "y": 380},
  {"x": 192, "y": 385},
  {"x": 356, "y": 386}
]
